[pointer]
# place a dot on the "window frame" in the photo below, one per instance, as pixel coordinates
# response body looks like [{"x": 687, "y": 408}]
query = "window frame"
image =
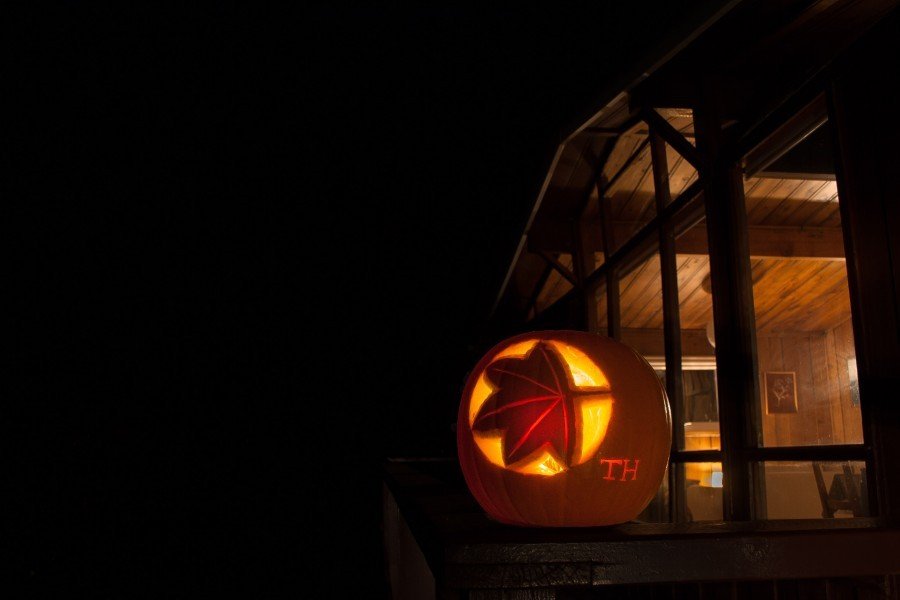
[{"x": 741, "y": 455}]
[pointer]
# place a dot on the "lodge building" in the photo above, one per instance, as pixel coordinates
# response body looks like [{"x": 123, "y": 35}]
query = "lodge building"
[{"x": 732, "y": 212}]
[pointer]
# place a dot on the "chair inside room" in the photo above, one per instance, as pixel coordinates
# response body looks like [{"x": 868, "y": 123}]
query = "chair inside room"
[{"x": 846, "y": 493}]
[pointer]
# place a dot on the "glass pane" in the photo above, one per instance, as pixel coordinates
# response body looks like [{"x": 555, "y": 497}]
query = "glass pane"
[
  {"x": 556, "y": 286},
  {"x": 700, "y": 411},
  {"x": 630, "y": 198},
  {"x": 807, "y": 360},
  {"x": 815, "y": 490},
  {"x": 703, "y": 491},
  {"x": 658, "y": 509},
  {"x": 640, "y": 292}
]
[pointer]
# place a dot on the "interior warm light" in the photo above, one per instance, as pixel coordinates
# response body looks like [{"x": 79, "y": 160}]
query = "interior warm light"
[
  {"x": 539, "y": 463},
  {"x": 585, "y": 373},
  {"x": 702, "y": 435},
  {"x": 594, "y": 413},
  {"x": 705, "y": 474},
  {"x": 543, "y": 463}
]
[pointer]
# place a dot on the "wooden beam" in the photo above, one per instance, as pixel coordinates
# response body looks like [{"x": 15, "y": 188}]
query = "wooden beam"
[
  {"x": 786, "y": 137},
  {"x": 817, "y": 243},
  {"x": 671, "y": 314},
  {"x": 602, "y": 132},
  {"x": 583, "y": 265},
  {"x": 613, "y": 305},
  {"x": 607, "y": 245},
  {"x": 672, "y": 136},
  {"x": 766, "y": 241},
  {"x": 538, "y": 288},
  {"x": 650, "y": 342},
  {"x": 558, "y": 266}
]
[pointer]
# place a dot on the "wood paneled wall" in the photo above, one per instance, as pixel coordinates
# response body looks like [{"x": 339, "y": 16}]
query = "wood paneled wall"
[{"x": 825, "y": 414}]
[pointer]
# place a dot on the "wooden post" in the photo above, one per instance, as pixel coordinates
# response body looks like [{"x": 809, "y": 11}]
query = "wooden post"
[
  {"x": 583, "y": 265},
  {"x": 671, "y": 313},
  {"x": 862, "y": 107},
  {"x": 613, "y": 314},
  {"x": 732, "y": 295}
]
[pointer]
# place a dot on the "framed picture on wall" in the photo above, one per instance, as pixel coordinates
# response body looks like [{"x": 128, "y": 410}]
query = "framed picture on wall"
[{"x": 781, "y": 392}]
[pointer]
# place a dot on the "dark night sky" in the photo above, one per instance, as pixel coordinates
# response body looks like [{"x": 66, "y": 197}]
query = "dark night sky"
[{"x": 260, "y": 248}]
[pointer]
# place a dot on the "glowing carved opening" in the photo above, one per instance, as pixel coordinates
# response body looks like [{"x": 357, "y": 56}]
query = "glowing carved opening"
[
  {"x": 544, "y": 463},
  {"x": 585, "y": 373},
  {"x": 480, "y": 393},
  {"x": 517, "y": 350},
  {"x": 491, "y": 446},
  {"x": 594, "y": 413},
  {"x": 538, "y": 463}
]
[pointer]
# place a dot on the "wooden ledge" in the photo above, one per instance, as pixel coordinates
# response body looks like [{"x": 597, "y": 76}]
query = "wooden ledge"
[{"x": 465, "y": 549}]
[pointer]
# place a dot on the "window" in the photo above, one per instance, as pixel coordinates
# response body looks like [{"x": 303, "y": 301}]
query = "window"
[{"x": 804, "y": 458}]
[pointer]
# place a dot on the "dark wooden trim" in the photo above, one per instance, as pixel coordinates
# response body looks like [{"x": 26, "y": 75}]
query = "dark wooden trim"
[
  {"x": 671, "y": 319},
  {"x": 795, "y": 453},
  {"x": 789, "y": 555},
  {"x": 632, "y": 120},
  {"x": 786, "y": 136},
  {"x": 672, "y": 136},
  {"x": 862, "y": 109},
  {"x": 732, "y": 295},
  {"x": 583, "y": 263},
  {"x": 558, "y": 266},
  {"x": 767, "y": 123},
  {"x": 536, "y": 292},
  {"x": 794, "y": 175},
  {"x": 688, "y": 456},
  {"x": 607, "y": 228},
  {"x": 602, "y": 132},
  {"x": 613, "y": 307},
  {"x": 669, "y": 277}
]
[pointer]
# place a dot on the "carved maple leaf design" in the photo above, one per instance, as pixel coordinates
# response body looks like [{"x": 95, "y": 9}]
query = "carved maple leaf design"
[{"x": 533, "y": 405}]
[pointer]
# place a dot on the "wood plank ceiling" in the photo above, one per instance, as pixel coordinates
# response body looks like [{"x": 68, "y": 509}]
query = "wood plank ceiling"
[
  {"x": 799, "y": 275},
  {"x": 758, "y": 54}
]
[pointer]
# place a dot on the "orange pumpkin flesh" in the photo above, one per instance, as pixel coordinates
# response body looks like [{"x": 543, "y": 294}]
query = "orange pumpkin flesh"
[{"x": 563, "y": 428}]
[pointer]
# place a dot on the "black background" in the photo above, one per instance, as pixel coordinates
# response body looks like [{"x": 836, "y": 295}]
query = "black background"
[{"x": 260, "y": 251}]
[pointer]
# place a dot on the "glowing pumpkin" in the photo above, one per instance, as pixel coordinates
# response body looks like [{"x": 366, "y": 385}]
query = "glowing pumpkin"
[{"x": 563, "y": 428}]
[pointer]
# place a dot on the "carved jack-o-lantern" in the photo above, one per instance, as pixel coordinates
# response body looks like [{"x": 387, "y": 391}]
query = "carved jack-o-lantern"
[{"x": 563, "y": 428}]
